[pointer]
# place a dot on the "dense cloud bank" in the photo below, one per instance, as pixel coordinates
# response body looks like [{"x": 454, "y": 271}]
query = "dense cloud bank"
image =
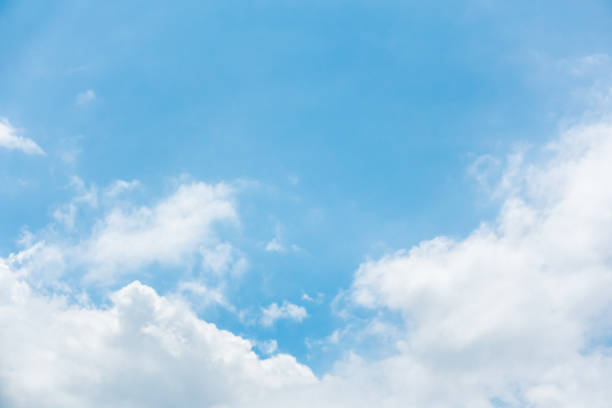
[{"x": 145, "y": 350}]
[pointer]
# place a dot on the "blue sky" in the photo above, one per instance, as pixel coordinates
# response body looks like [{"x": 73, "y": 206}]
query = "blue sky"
[{"x": 335, "y": 134}]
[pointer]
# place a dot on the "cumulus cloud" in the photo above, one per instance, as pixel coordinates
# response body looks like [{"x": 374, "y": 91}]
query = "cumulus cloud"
[
  {"x": 274, "y": 312},
  {"x": 516, "y": 314},
  {"x": 166, "y": 233},
  {"x": 10, "y": 139},
  {"x": 144, "y": 350},
  {"x": 176, "y": 231},
  {"x": 519, "y": 312}
]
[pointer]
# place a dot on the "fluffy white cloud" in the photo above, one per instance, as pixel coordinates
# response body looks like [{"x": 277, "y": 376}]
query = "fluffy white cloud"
[
  {"x": 100, "y": 238},
  {"x": 143, "y": 351},
  {"x": 520, "y": 311},
  {"x": 10, "y": 139},
  {"x": 167, "y": 233},
  {"x": 517, "y": 314},
  {"x": 287, "y": 310}
]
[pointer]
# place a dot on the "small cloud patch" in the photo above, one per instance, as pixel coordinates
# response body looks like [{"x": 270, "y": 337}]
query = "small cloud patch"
[
  {"x": 274, "y": 312},
  {"x": 85, "y": 97},
  {"x": 11, "y": 140}
]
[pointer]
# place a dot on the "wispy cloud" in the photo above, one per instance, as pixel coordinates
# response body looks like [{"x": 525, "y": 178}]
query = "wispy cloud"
[
  {"x": 267, "y": 347},
  {"x": 274, "y": 312},
  {"x": 85, "y": 97},
  {"x": 120, "y": 186},
  {"x": 318, "y": 299},
  {"x": 277, "y": 243},
  {"x": 10, "y": 139}
]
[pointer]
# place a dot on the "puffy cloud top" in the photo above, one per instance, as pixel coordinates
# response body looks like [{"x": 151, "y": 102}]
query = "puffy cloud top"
[
  {"x": 519, "y": 310},
  {"x": 143, "y": 351},
  {"x": 516, "y": 314}
]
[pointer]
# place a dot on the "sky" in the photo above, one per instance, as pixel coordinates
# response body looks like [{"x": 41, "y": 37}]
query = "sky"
[{"x": 289, "y": 203}]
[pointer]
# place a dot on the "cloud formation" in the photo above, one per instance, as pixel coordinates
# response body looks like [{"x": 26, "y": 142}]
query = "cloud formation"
[
  {"x": 178, "y": 230},
  {"x": 520, "y": 311},
  {"x": 143, "y": 351},
  {"x": 274, "y": 312},
  {"x": 166, "y": 233},
  {"x": 11, "y": 140},
  {"x": 516, "y": 314}
]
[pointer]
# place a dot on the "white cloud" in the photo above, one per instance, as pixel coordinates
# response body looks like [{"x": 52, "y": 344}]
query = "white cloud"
[
  {"x": 10, "y": 139},
  {"x": 317, "y": 299},
  {"x": 168, "y": 233},
  {"x": 85, "y": 97},
  {"x": 223, "y": 259},
  {"x": 517, "y": 310},
  {"x": 275, "y": 245},
  {"x": 268, "y": 347},
  {"x": 270, "y": 314},
  {"x": 120, "y": 186},
  {"x": 517, "y": 314},
  {"x": 179, "y": 230},
  {"x": 144, "y": 350},
  {"x": 67, "y": 213},
  {"x": 203, "y": 296}
]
